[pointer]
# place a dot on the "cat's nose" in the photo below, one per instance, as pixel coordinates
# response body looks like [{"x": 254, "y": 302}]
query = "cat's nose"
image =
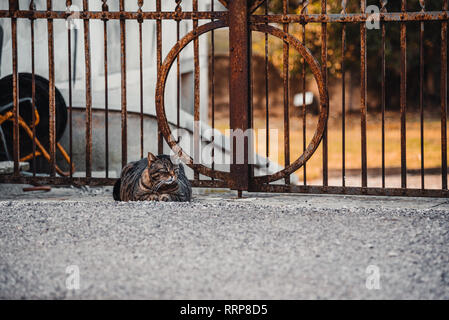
[{"x": 170, "y": 180}]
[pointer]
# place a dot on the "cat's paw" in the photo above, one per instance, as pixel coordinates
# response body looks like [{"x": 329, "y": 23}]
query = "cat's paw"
[
  {"x": 152, "y": 197},
  {"x": 164, "y": 197}
]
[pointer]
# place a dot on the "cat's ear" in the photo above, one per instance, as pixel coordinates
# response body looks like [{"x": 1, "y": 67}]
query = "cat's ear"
[{"x": 151, "y": 158}]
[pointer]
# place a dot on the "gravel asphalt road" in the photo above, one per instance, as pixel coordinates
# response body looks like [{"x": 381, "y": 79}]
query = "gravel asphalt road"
[{"x": 220, "y": 247}]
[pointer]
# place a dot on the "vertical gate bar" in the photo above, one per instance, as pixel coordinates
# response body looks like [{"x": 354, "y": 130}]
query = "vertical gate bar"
[
  {"x": 251, "y": 142},
  {"x": 105, "y": 8},
  {"x": 304, "y": 109},
  {"x": 196, "y": 91},
  {"x": 363, "y": 93},
  {"x": 212, "y": 92},
  {"x": 343, "y": 106},
  {"x": 88, "y": 93},
  {"x": 123, "y": 86},
  {"x": 444, "y": 99},
  {"x": 421, "y": 91},
  {"x": 267, "y": 113},
  {"x": 239, "y": 85},
  {"x": 250, "y": 148},
  {"x": 140, "y": 21},
  {"x": 304, "y": 10},
  {"x": 343, "y": 97},
  {"x": 69, "y": 58},
  {"x": 14, "y": 6},
  {"x": 51, "y": 93},
  {"x": 160, "y": 142},
  {"x": 324, "y": 72},
  {"x": 32, "y": 7},
  {"x": 403, "y": 98},
  {"x": 285, "y": 75},
  {"x": 383, "y": 75},
  {"x": 178, "y": 69},
  {"x": 178, "y": 82}
]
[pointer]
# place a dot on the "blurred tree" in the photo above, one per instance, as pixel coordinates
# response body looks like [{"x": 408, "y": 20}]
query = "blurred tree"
[{"x": 432, "y": 43}]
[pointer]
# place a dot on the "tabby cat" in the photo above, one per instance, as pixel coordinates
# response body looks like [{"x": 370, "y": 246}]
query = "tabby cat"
[{"x": 155, "y": 178}]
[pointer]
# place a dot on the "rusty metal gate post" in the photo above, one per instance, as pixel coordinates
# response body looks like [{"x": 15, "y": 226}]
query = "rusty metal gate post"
[{"x": 239, "y": 90}]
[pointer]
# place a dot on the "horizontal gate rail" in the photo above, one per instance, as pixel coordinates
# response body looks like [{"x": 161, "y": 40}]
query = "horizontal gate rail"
[
  {"x": 62, "y": 181},
  {"x": 203, "y": 15},
  {"x": 115, "y": 15}
]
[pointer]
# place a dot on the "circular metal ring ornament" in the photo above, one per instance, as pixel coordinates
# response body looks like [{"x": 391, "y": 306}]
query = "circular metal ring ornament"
[{"x": 221, "y": 175}]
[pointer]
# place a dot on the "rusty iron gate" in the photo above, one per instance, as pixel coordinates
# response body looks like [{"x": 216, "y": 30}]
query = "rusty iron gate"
[{"x": 242, "y": 21}]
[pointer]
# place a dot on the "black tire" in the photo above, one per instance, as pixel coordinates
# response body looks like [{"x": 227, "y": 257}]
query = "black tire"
[{"x": 25, "y": 111}]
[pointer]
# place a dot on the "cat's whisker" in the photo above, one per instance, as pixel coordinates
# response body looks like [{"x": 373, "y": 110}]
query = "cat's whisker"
[{"x": 164, "y": 182}]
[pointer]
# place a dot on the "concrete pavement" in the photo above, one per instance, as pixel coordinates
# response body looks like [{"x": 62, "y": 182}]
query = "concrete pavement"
[{"x": 218, "y": 247}]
